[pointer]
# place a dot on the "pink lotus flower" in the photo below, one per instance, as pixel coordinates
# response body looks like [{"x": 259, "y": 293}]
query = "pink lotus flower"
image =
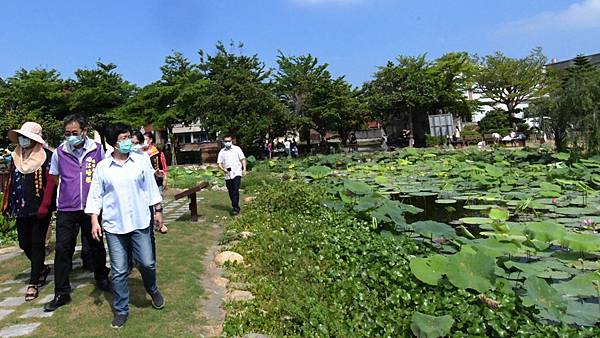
[{"x": 588, "y": 222}]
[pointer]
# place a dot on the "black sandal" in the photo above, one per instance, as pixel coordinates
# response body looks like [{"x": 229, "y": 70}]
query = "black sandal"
[
  {"x": 44, "y": 276},
  {"x": 31, "y": 295}
]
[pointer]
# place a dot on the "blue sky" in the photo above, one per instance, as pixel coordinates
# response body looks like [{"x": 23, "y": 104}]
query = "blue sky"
[{"x": 353, "y": 36}]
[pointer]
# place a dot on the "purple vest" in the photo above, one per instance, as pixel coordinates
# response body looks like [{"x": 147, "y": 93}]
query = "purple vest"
[{"x": 75, "y": 178}]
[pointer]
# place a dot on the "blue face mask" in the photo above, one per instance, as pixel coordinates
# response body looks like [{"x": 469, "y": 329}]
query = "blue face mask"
[
  {"x": 74, "y": 140},
  {"x": 125, "y": 146},
  {"x": 24, "y": 142}
]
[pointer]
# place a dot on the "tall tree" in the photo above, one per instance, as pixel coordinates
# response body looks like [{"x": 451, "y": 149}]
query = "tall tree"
[
  {"x": 511, "y": 81},
  {"x": 304, "y": 86},
  {"x": 236, "y": 97},
  {"x": 38, "y": 95},
  {"x": 571, "y": 110},
  {"x": 403, "y": 93},
  {"x": 98, "y": 93},
  {"x": 454, "y": 74}
]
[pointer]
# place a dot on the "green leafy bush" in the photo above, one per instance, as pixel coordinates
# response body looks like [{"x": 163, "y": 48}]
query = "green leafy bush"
[{"x": 495, "y": 121}]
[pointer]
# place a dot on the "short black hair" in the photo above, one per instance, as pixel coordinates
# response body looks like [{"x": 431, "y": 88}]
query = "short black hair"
[
  {"x": 227, "y": 135},
  {"x": 150, "y": 136},
  {"x": 80, "y": 119},
  {"x": 139, "y": 136},
  {"x": 113, "y": 132}
]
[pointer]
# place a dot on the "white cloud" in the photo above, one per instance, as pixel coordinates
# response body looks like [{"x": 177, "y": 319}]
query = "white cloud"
[
  {"x": 326, "y": 2},
  {"x": 580, "y": 16}
]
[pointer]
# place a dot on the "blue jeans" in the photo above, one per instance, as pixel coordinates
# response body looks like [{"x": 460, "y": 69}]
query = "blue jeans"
[{"x": 118, "y": 248}]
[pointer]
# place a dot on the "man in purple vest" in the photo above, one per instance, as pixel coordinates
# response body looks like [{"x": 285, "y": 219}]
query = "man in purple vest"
[{"x": 74, "y": 162}]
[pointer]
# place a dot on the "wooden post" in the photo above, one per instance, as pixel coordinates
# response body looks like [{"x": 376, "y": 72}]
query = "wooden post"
[
  {"x": 194, "y": 207},
  {"x": 191, "y": 194}
]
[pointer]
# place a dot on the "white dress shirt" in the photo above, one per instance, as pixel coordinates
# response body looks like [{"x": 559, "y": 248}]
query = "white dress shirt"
[
  {"x": 231, "y": 158},
  {"x": 123, "y": 192}
]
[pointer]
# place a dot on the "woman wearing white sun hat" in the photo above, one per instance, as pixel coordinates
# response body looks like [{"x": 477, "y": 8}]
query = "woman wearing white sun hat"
[{"x": 29, "y": 198}]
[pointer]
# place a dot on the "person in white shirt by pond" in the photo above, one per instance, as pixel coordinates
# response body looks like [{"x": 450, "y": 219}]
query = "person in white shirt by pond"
[
  {"x": 288, "y": 147},
  {"x": 232, "y": 161},
  {"x": 123, "y": 188}
]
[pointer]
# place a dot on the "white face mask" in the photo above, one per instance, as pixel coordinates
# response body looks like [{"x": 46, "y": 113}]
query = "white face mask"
[
  {"x": 24, "y": 142},
  {"x": 137, "y": 148},
  {"x": 227, "y": 144}
]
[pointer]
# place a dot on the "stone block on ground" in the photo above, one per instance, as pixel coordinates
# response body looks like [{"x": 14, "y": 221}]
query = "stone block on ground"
[
  {"x": 5, "y": 312},
  {"x": 36, "y": 313},
  {"x": 228, "y": 256},
  {"x": 12, "y": 301},
  {"x": 239, "y": 295},
  {"x": 18, "y": 330}
]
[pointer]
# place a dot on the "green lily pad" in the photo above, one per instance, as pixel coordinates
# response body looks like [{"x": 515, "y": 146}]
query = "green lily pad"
[
  {"x": 553, "y": 274},
  {"x": 545, "y": 231},
  {"x": 480, "y": 206},
  {"x": 432, "y": 229},
  {"x": 579, "y": 286},
  {"x": 499, "y": 214},
  {"x": 445, "y": 201},
  {"x": 319, "y": 172},
  {"x": 574, "y": 211},
  {"x": 428, "y": 270},
  {"x": 422, "y": 194},
  {"x": 469, "y": 270},
  {"x": 425, "y": 326},
  {"x": 544, "y": 297},
  {"x": 358, "y": 187},
  {"x": 476, "y": 220},
  {"x": 581, "y": 242},
  {"x": 582, "y": 313}
]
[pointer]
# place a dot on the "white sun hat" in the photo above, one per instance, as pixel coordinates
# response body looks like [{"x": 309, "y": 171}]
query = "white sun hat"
[{"x": 30, "y": 130}]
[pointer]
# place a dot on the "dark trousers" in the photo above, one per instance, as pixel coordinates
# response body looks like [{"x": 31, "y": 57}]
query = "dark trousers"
[
  {"x": 32, "y": 239},
  {"x": 233, "y": 187},
  {"x": 67, "y": 228}
]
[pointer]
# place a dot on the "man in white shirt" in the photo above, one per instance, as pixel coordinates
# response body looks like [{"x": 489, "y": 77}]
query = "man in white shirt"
[
  {"x": 123, "y": 188},
  {"x": 232, "y": 161}
]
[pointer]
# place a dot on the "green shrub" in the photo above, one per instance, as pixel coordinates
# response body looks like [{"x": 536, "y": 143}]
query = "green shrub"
[{"x": 495, "y": 121}]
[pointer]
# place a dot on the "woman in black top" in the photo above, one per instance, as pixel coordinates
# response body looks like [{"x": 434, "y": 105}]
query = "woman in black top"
[{"x": 29, "y": 198}]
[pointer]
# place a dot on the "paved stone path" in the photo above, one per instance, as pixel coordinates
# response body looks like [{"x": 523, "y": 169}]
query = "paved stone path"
[{"x": 19, "y": 318}]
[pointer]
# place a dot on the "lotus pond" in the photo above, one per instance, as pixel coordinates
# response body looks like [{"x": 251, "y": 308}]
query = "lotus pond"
[{"x": 518, "y": 222}]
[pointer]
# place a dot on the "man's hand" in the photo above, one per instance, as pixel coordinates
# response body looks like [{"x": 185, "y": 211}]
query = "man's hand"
[
  {"x": 96, "y": 229},
  {"x": 245, "y": 172},
  {"x": 158, "y": 220}
]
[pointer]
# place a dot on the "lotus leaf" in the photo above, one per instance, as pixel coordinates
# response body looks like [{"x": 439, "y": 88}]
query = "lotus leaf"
[
  {"x": 468, "y": 270},
  {"x": 476, "y": 220},
  {"x": 366, "y": 203},
  {"x": 581, "y": 242},
  {"x": 445, "y": 201},
  {"x": 358, "y": 187},
  {"x": 562, "y": 156},
  {"x": 553, "y": 274},
  {"x": 425, "y": 326},
  {"x": 422, "y": 194},
  {"x": 493, "y": 247},
  {"x": 381, "y": 180},
  {"x": 582, "y": 313},
  {"x": 545, "y": 231},
  {"x": 544, "y": 297},
  {"x": 574, "y": 211},
  {"x": 428, "y": 270},
  {"x": 579, "y": 286},
  {"x": 432, "y": 229},
  {"x": 499, "y": 214},
  {"x": 479, "y": 206}
]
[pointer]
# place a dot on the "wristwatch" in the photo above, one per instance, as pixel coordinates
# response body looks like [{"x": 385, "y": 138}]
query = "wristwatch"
[{"x": 158, "y": 210}]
